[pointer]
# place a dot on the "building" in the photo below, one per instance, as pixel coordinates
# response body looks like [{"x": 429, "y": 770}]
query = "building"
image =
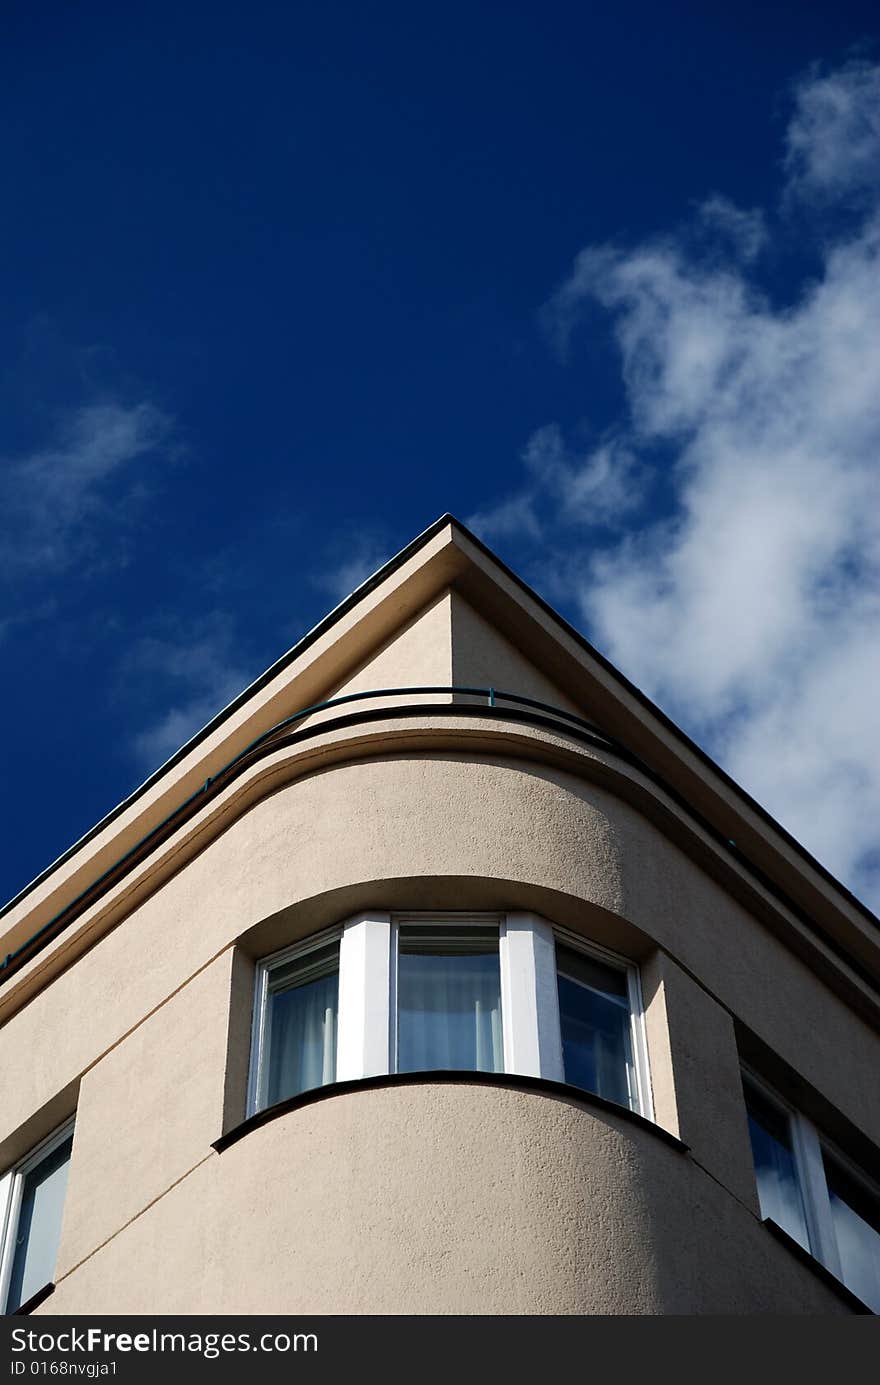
[{"x": 439, "y": 974}]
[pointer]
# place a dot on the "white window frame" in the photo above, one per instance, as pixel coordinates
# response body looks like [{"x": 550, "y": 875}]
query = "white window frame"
[
  {"x": 11, "y": 1189},
  {"x": 530, "y": 998},
  {"x": 258, "y": 1072},
  {"x": 807, "y": 1143},
  {"x": 445, "y": 919},
  {"x": 366, "y": 978},
  {"x": 366, "y": 1044}
]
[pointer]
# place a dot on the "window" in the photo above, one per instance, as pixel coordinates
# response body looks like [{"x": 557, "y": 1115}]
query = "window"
[
  {"x": 448, "y": 998},
  {"x": 298, "y": 1018},
  {"x": 779, "y": 1189},
  {"x": 814, "y": 1193},
  {"x": 470, "y": 993},
  {"x": 31, "y": 1208},
  {"x": 596, "y": 1025}
]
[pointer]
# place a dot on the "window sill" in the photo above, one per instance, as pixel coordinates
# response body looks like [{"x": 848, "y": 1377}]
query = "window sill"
[
  {"x": 818, "y": 1269},
  {"x": 510, "y": 1081}
]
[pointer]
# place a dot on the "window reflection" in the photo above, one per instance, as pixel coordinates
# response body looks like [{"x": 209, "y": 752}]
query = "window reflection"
[
  {"x": 596, "y": 1028},
  {"x": 778, "y": 1189},
  {"x": 856, "y": 1216},
  {"x": 39, "y": 1225}
]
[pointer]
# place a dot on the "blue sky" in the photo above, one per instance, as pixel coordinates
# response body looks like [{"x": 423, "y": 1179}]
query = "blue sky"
[{"x": 284, "y": 282}]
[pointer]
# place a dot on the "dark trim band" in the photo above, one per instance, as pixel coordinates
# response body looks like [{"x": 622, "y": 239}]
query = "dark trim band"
[
  {"x": 510, "y": 1081},
  {"x": 548, "y": 718},
  {"x": 34, "y": 1301}
]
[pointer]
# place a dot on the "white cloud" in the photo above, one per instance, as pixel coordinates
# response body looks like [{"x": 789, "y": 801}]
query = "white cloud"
[
  {"x": 59, "y": 506},
  {"x": 515, "y": 515},
  {"x": 193, "y": 675},
  {"x": 834, "y": 135},
  {"x": 742, "y": 231},
  {"x": 751, "y": 611},
  {"x": 596, "y": 487},
  {"x": 358, "y": 557}
]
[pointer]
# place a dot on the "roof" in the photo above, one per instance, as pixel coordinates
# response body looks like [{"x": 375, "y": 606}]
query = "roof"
[{"x": 446, "y": 557}]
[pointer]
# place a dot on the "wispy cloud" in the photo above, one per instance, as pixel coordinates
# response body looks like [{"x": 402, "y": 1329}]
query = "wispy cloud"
[
  {"x": 834, "y": 135},
  {"x": 191, "y": 675},
  {"x": 180, "y": 678},
  {"x": 354, "y": 558},
  {"x": 67, "y": 503},
  {"x": 596, "y": 488},
  {"x": 740, "y": 230},
  {"x": 751, "y": 610}
]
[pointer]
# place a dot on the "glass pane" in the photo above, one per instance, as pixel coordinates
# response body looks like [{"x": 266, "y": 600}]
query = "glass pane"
[
  {"x": 302, "y": 1022},
  {"x": 449, "y": 1000},
  {"x": 856, "y": 1213},
  {"x": 596, "y": 1030},
  {"x": 610, "y": 981},
  {"x": 39, "y": 1226},
  {"x": 779, "y": 1192}
]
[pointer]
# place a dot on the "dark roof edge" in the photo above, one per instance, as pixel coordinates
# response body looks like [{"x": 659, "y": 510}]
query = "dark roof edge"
[
  {"x": 670, "y": 725},
  {"x": 352, "y": 600},
  {"x": 310, "y": 638}
]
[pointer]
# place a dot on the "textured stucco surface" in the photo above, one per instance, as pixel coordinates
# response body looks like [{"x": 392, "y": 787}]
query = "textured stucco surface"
[
  {"x": 431, "y": 1198},
  {"x": 445, "y": 561},
  {"x": 695, "y": 1070},
  {"x": 419, "y": 655},
  {"x": 444, "y": 1199},
  {"x": 148, "y": 1112},
  {"x": 483, "y": 658},
  {"x": 427, "y": 817}
]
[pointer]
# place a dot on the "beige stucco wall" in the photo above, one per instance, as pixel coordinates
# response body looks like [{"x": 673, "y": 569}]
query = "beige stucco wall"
[
  {"x": 695, "y": 1074},
  {"x": 447, "y": 644},
  {"x": 442, "y": 1199},
  {"x": 148, "y": 1112},
  {"x": 417, "y": 818},
  {"x": 419, "y": 655},
  {"x": 435, "y": 575},
  {"x": 483, "y": 658},
  {"x": 151, "y": 1026}
]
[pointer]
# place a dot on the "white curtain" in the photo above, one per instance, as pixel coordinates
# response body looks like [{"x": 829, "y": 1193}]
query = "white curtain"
[
  {"x": 302, "y": 1041},
  {"x": 449, "y": 1009}
]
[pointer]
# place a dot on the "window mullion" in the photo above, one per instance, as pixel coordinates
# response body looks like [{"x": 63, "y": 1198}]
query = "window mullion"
[
  {"x": 259, "y": 1043},
  {"x": 530, "y": 999},
  {"x": 364, "y": 1032},
  {"x": 644, "y": 1094},
  {"x": 817, "y": 1205}
]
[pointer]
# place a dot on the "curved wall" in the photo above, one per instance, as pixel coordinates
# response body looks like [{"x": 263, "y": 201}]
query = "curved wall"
[
  {"x": 524, "y": 827},
  {"x": 431, "y": 1198},
  {"x": 435, "y": 1198}
]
